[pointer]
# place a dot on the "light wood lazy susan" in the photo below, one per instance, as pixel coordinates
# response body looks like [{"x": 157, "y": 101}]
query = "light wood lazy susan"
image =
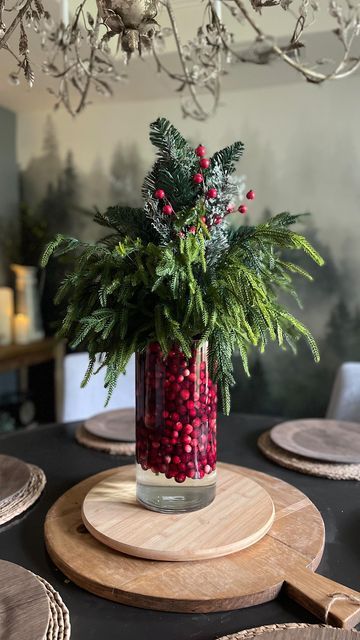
[
  {"x": 285, "y": 558},
  {"x": 240, "y": 516}
]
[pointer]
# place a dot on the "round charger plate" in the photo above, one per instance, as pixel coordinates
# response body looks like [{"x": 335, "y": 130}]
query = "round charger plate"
[
  {"x": 14, "y": 474},
  {"x": 113, "y": 425},
  {"x": 319, "y": 439},
  {"x": 294, "y": 631},
  {"x": 24, "y": 605},
  {"x": 241, "y": 514}
]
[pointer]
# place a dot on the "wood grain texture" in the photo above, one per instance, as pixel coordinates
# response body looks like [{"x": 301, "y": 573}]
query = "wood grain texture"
[
  {"x": 116, "y": 425},
  {"x": 293, "y": 631},
  {"x": 24, "y": 605},
  {"x": 14, "y": 474},
  {"x": 246, "y": 578},
  {"x": 319, "y": 439},
  {"x": 240, "y": 516}
]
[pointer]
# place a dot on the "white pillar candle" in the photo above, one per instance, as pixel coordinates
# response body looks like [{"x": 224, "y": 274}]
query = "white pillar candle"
[
  {"x": 218, "y": 8},
  {"x": 6, "y": 315},
  {"x": 21, "y": 328},
  {"x": 65, "y": 12}
]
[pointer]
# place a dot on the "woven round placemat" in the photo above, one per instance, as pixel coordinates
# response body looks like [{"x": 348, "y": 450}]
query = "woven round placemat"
[
  {"x": 25, "y": 498},
  {"x": 331, "y": 470},
  {"x": 59, "y": 627},
  {"x": 113, "y": 447},
  {"x": 258, "y": 631}
]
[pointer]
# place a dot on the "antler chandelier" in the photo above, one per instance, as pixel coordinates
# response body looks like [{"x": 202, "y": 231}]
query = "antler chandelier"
[{"x": 77, "y": 53}]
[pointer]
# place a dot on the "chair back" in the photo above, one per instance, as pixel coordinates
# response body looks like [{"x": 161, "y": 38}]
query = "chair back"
[
  {"x": 345, "y": 396},
  {"x": 82, "y": 403}
]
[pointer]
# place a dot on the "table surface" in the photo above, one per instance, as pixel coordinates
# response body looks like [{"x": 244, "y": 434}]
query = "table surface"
[{"x": 67, "y": 463}]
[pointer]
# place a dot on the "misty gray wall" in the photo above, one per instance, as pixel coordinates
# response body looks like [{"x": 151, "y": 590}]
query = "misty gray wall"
[
  {"x": 9, "y": 201},
  {"x": 9, "y": 182}
]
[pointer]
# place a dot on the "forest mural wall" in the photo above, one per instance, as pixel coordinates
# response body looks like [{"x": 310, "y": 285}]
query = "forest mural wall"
[{"x": 62, "y": 194}]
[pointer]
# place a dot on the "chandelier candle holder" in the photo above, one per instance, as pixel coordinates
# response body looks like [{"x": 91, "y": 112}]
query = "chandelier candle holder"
[{"x": 181, "y": 286}]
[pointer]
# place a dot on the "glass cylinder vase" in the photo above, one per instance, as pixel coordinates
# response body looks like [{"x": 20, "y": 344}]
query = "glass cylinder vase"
[{"x": 176, "y": 404}]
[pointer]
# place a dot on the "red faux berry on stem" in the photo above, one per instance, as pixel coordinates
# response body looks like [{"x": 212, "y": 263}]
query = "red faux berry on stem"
[
  {"x": 242, "y": 209},
  {"x": 230, "y": 207},
  {"x": 218, "y": 220},
  {"x": 211, "y": 193},
  {"x": 204, "y": 163},
  {"x": 198, "y": 178},
  {"x": 159, "y": 194},
  {"x": 200, "y": 151},
  {"x": 250, "y": 195},
  {"x": 192, "y": 230},
  {"x": 167, "y": 209}
]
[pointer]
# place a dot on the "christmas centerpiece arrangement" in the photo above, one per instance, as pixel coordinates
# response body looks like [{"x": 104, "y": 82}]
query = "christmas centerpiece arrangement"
[{"x": 176, "y": 284}]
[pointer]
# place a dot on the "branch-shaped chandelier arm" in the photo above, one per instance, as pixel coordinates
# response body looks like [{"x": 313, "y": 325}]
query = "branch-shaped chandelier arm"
[
  {"x": 79, "y": 60},
  {"x": 15, "y": 23},
  {"x": 310, "y": 74}
]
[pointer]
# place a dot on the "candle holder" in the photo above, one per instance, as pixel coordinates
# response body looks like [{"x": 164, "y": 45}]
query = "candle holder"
[{"x": 27, "y": 303}]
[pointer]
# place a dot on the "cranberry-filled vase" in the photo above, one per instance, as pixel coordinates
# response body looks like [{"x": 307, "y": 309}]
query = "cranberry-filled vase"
[{"x": 176, "y": 404}]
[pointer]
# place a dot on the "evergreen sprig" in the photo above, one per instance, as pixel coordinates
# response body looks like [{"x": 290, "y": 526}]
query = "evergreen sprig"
[{"x": 182, "y": 277}]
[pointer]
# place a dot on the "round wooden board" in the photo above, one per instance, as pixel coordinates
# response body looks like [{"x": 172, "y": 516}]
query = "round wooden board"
[
  {"x": 24, "y": 605},
  {"x": 319, "y": 439},
  {"x": 240, "y": 516},
  {"x": 116, "y": 425},
  {"x": 14, "y": 474},
  {"x": 242, "y": 579}
]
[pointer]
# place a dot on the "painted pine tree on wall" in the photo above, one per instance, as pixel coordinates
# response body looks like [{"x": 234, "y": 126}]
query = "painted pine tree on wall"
[{"x": 175, "y": 271}]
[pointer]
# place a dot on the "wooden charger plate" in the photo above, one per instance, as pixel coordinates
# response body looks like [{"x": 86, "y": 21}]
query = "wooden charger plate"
[
  {"x": 286, "y": 556},
  {"x": 24, "y": 605},
  {"x": 318, "y": 439},
  {"x": 113, "y": 425},
  {"x": 293, "y": 631},
  {"x": 240, "y": 516},
  {"x": 14, "y": 475}
]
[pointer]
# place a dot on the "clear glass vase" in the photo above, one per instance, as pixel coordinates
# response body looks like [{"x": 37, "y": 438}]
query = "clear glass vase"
[{"x": 176, "y": 404}]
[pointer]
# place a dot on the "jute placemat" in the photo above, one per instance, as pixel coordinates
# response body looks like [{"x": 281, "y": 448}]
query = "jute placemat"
[
  {"x": 258, "y": 631},
  {"x": 331, "y": 470},
  {"x": 108, "y": 446},
  {"x": 59, "y": 622},
  {"x": 25, "y": 498}
]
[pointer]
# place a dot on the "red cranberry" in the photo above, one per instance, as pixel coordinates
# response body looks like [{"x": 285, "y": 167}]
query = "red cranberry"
[{"x": 181, "y": 477}]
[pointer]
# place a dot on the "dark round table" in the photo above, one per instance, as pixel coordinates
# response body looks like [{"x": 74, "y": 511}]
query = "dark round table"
[{"x": 65, "y": 463}]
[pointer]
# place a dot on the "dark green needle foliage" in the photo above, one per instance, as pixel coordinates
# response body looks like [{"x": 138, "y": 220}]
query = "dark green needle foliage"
[{"x": 185, "y": 276}]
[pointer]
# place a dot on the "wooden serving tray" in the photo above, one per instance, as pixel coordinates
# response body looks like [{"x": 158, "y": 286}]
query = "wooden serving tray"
[
  {"x": 112, "y": 514},
  {"x": 286, "y": 557}
]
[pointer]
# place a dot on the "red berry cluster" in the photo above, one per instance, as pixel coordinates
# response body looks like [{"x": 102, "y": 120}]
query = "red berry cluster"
[
  {"x": 204, "y": 163},
  {"x": 250, "y": 196},
  {"x": 167, "y": 208},
  {"x": 210, "y": 194},
  {"x": 176, "y": 414}
]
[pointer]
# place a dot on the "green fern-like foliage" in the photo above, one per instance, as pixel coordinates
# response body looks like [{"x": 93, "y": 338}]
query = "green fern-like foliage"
[{"x": 182, "y": 277}]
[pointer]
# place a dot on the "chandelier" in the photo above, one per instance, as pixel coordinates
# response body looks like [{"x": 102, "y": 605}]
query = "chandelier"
[{"x": 87, "y": 53}]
